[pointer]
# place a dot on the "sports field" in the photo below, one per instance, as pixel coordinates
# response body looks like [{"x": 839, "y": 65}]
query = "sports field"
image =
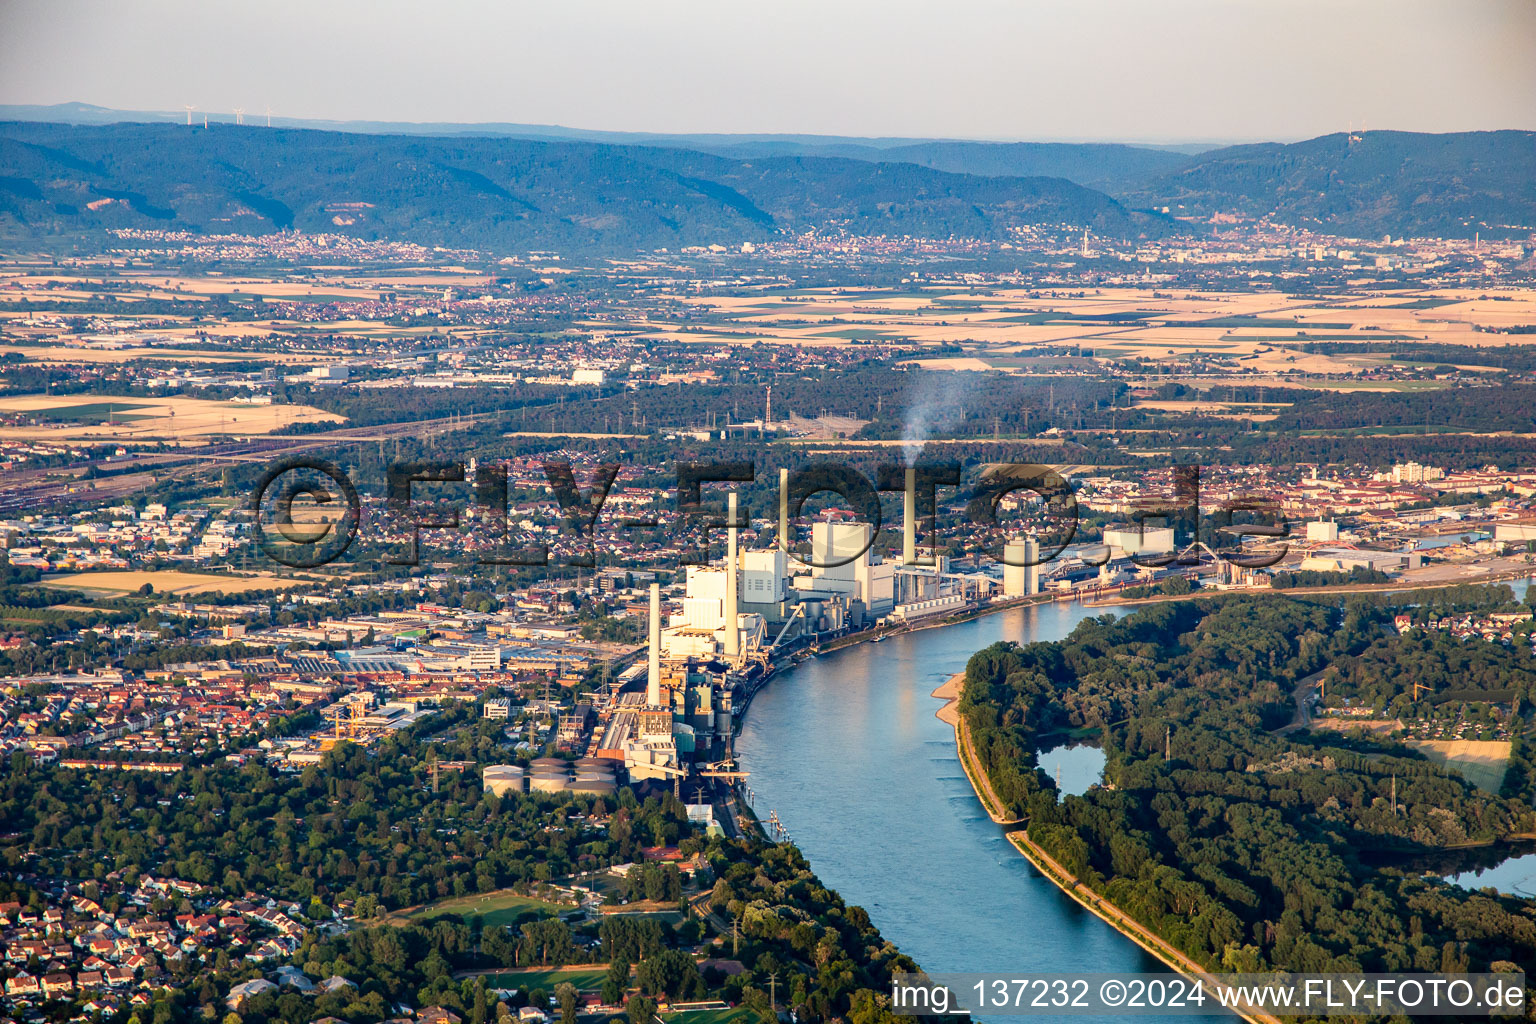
[
  {"x": 495, "y": 909},
  {"x": 585, "y": 978},
  {"x": 729, "y": 1015}
]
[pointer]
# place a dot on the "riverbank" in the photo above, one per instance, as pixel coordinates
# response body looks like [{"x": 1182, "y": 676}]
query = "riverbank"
[
  {"x": 949, "y": 693},
  {"x": 1396, "y": 587},
  {"x": 1122, "y": 922},
  {"x": 980, "y": 784},
  {"x": 1053, "y": 871}
]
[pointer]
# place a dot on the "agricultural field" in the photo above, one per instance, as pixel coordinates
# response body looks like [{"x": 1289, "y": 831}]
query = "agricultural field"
[
  {"x": 145, "y": 419},
  {"x": 1256, "y": 332},
  {"x": 1480, "y": 762},
  {"x": 169, "y": 581}
]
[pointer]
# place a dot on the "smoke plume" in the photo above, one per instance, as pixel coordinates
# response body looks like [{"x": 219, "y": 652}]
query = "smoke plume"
[{"x": 935, "y": 402}]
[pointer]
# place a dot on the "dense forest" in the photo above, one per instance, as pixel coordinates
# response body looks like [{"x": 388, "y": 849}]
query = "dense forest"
[
  {"x": 359, "y": 826},
  {"x": 365, "y": 830},
  {"x": 1245, "y": 848},
  {"x": 1506, "y": 407}
]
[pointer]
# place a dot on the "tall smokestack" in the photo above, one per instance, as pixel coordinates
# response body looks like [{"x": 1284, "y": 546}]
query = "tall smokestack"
[
  {"x": 784, "y": 511},
  {"x": 909, "y": 519},
  {"x": 732, "y": 633},
  {"x": 653, "y": 659}
]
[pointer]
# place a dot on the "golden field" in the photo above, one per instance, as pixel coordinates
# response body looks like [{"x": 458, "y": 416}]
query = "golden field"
[
  {"x": 171, "y": 418},
  {"x": 170, "y": 581},
  {"x": 1480, "y": 762},
  {"x": 995, "y": 327}
]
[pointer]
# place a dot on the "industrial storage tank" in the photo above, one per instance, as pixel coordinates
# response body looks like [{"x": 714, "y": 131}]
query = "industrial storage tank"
[
  {"x": 502, "y": 779},
  {"x": 549, "y": 782},
  {"x": 600, "y": 763},
  {"x": 593, "y": 776},
  {"x": 542, "y": 764},
  {"x": 593, "y": 787},
  {"x": 684, "y": 736}
]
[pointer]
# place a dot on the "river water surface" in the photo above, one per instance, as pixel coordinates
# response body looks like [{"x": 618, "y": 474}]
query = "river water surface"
[{"x": 846, "y": 749}]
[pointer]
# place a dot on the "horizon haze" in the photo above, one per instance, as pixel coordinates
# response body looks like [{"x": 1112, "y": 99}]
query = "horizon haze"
[{"x": 1102, "y": 71}]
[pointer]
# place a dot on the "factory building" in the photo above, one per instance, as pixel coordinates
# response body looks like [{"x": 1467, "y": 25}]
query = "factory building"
[
  {"x": 1130, "y": 541},
  {"x": 1345, "y": 559},
  {"x": 765, "y": 583},
  {"x": 651, "y": 746},
  {"x": 866, "y": 583},
  {"x": 712, "y": 622},
  {"x": 1324, "y": 531}
]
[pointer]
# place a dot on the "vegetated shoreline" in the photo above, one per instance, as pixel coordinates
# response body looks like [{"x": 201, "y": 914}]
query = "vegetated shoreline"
[
  {"x": 1489, "y": 580},
  {"x": 1087, "y": 898}
]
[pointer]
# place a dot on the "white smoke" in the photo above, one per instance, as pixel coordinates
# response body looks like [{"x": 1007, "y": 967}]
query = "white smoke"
[{"x": 936, "y": 402}]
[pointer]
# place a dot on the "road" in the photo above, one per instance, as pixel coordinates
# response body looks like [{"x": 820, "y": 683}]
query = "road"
[{"x": 1302, "y": 719}]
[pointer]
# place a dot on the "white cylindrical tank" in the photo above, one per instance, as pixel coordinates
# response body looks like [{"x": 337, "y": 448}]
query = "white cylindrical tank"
[
  {"x": 549, "y": 782},
  {"x": 1013, "y": 568},
  {"x": 593, "y": 787},
  {"x": 502, "y": 779}
]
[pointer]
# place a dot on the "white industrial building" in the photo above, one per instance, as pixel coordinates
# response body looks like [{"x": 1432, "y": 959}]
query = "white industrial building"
[
  {"x": 1130, "y": 541},
  {"x": 865, "y": 582},
  {"x": 1345, "y": 559},
  {"x": 1323, "y": 532}
]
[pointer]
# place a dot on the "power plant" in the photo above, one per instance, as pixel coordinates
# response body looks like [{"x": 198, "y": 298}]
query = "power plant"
[{"x": 719, "y": 639}]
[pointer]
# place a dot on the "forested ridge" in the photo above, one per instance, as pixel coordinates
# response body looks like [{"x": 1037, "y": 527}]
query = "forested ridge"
[
  {"x": 1245, "y": 849},
  {"x": 500, "y": 194}
]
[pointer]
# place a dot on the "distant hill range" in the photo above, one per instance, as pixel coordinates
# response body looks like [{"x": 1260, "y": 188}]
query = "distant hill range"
[
  {"x": 1365, "y": 185},
  {"x": 508, "y": 187},
  {"x": 502, "y": 194}
]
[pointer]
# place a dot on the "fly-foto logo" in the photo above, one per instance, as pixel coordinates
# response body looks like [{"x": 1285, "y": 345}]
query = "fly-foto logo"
[{"x": 322, "y": 528}]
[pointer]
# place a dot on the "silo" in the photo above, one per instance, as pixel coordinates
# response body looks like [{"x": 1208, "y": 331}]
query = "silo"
[
  {"x": 1021, "y": 577},
  {"x": 502, "y": 779},
  {"x": 549, "y": 782}
]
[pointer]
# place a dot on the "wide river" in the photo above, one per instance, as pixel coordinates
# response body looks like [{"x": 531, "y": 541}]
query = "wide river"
[{"x": 847, "y": 750}]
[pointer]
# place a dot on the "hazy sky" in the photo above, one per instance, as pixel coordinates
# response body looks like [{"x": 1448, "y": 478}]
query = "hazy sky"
[{"x": 1014, "y": 69}]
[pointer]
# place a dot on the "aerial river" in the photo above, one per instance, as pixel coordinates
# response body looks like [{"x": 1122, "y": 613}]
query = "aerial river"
[{"x": 846, "y": 749}]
